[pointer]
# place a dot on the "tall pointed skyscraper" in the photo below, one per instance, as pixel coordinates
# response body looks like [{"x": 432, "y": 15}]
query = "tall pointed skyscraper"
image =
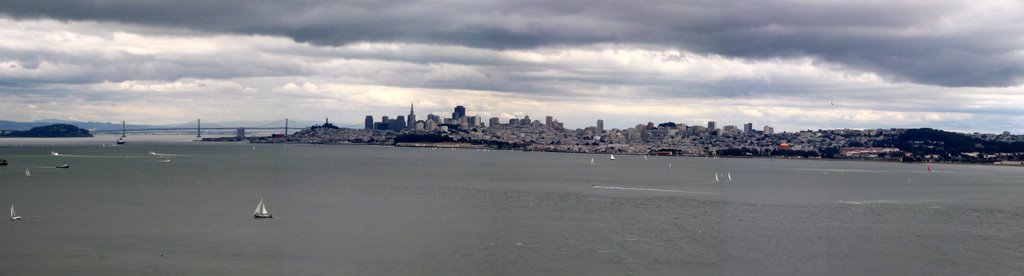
[{"x": 411, "y": 119}]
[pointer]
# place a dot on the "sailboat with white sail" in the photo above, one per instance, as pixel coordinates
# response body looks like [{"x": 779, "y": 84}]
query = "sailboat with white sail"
[
  {"x": 261, "y": 211},
  {"x": 14, "y": 216},
  {"x": 28, "y": 173},
  {"x": 716, "y": 178},
  {"x": 612, "y": 157},
  {"x": 729, "y": 176},
  {"x": 592, "y": 162}
]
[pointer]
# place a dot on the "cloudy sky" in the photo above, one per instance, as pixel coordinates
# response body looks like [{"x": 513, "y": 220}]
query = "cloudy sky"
[{"x": 794, "y": 65}]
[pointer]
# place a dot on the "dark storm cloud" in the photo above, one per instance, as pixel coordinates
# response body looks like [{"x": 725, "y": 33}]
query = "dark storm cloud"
[{"x": 947, "y": 43}]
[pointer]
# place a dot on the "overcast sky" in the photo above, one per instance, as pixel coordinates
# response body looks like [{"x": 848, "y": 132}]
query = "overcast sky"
[{"x": 956, "y": 65}]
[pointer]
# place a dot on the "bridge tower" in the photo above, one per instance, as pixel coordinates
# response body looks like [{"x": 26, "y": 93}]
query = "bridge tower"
[{"x": 199, "y": 129}]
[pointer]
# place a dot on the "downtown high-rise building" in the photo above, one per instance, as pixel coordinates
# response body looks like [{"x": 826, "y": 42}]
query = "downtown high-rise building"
[
  {"x": 435, "y": 118},
  {"x": 548, "y": 120},
  {"x": 494, "y": 121},
  {"x": 769, "y": 130},
  {"x": 712, "y": 126},
  {"x": 748, "y": 127},
  {"x": 600, "y": 126},
  {"x": 368, "y": 123},
  {"x": 410, "y": 121},
  {"x": 460, "y": 111}
]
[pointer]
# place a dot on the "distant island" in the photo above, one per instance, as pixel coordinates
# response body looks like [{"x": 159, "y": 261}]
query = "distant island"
[{"x": 51, "y": 131}]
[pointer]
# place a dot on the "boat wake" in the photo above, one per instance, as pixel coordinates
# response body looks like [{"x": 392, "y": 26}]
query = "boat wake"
[
  {"x": 883, "y": 202},
  {"x": 653, "y": 190}
]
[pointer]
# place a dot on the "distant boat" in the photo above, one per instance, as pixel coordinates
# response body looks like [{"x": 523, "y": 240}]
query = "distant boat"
[
  {"x": 54, "y": 153},
  {"x": 120, "y": 141},
  {"x": 3, "y": 162},
  {"x": 669, "y": 165},
  {"x": 929, "y": 168},
  {"x": 13, "y": 215},
  {"x": 104, "y": 145},
  {"x": 165, "y": 161},
  {"x": 253, "y": 147},
  {"x": 716, "y": 178},
  {"x": 729, "y": 176},
  {"x": 27, "y": 173},
  {"x": 261, "y": 211},
  {"x": 645, "y": 157},
  {"x": 152, "y": 153},
  {"x": 612, "y": 157},
  {"x": 592, "y": 161},
  {"x": 64, "y": 166}
]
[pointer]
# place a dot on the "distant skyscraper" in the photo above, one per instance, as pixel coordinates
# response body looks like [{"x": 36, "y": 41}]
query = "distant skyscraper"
[
  {"x": 548, "y": 120},
  {"x": 600, "y": 126},
  {"x": 460, "y": 111},
  {"x": 526, "y": 120},
  {"x": 410, "y": 121},
  {"x": 494, "y": 121},
  {"x": 769, "y": 130},
  {"x": 368, "y": 123},
  {"x": 712, "y": 126},
  {"x": 385, "y": 119},
  {"x": 435, "y": 118},
  {"x": 401, "y": 122},
  {"x": 474, "y": 121},
  {"x": 513, "y": 121},
  {"x": 748, "y": 127}
]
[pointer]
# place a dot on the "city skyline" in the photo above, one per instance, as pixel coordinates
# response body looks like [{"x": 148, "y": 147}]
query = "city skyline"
[{"x": 798, "y": 65}]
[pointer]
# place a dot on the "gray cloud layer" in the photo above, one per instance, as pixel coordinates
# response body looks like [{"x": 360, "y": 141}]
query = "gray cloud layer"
[{"x": 946, "y": 43}]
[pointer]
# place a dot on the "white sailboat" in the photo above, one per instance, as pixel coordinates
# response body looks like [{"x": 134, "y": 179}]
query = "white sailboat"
[
  {"x": 261, "y": 211},
  {"x": 645, "y": 157},
  {"x": 592, "y": 161},
  {"x": 13, "y": 215},
  {"x": 612, "y": 157},
  {"x": 729, "y": 176},
  {"x": 716, "y": 178},
  {"x": 27, "y": 173},
  {"x": 54, "y": 153}
]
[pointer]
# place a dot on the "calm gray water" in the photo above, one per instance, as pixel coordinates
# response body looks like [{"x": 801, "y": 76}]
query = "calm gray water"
[{"x": 366, "y": 210}]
